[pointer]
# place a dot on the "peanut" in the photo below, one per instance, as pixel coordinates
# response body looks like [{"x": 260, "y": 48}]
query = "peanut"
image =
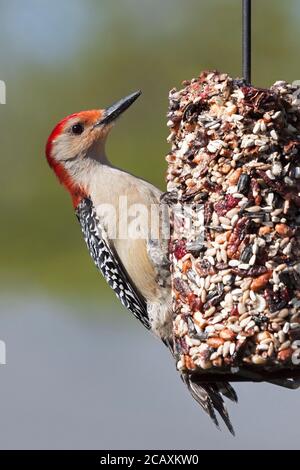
[
  {"x": 283, "y": 230},
  {"x": 264, "y": 231},
  {"x": 284, "y": 354},
  {"x": 227, "y": 335},
  {"x": 215, "y": 342},
  {"x": 235, "y": 176},
  {"x": 260, "y": 282}
]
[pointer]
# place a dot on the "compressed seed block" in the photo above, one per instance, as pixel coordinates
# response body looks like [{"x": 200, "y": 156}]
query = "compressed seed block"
[{"x": 234, "y": 180}]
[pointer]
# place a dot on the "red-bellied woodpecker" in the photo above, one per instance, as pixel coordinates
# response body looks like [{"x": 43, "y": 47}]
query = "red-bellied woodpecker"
[{"x": 135, "y": 267}]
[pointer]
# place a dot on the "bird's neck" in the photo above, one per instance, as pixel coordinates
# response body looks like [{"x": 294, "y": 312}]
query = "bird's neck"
[{"x": 93, "y": 176}]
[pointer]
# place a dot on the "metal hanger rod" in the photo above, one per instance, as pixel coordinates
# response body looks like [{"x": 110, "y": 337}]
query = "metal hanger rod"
[{"x": 246, "y": 40}]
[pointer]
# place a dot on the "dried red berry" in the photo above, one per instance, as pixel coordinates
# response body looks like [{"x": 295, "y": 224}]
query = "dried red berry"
[
  {"x": 181, "y": 286},
  {"x": 277, "y": 300},
  {"x": 226, "y": 204},
  {"x": 239, "y": 232},
  {"x": 208, "y": 211},
  {"x": 234, "y": 311},
  {"x": 194, "y": 302},
  {"x": 204, "y": 268},
  {"x": 180, "y": 250}
]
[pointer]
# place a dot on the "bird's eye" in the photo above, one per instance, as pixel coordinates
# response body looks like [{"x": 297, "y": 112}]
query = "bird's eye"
[{"x": 77, "y": 129}]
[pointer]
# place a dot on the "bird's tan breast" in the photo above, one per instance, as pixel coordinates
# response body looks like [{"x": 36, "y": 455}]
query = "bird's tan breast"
[
  {"x": 127, "y": 197},
  {"x": 133, "y": 254}
]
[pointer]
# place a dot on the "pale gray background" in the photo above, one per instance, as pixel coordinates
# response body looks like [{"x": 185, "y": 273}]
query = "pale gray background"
[{"x": 82, "y": 383}]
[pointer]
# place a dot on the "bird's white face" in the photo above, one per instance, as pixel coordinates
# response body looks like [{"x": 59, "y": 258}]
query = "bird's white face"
[
  {"x": 76, "y": 137},
  {"x": 83, "y": 134}
]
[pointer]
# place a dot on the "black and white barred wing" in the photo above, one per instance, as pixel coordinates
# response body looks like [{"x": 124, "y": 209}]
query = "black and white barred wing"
[{"x": 109, "y": 263}]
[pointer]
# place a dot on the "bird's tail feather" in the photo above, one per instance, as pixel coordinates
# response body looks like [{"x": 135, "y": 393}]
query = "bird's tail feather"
[
  {"x": 227, "y": 391},
  {"x": 209, "y": 397}
]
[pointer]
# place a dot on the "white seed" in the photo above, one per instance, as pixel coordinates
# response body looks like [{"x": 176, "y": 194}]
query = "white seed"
[
  {"x": 226, "y": 348},
  {"x": 210, "y": 312},
  {"x": 253, "y": 209},
  {"x": 245, "y": 321},
  {"x": 224, "y": 220},
  {"x": 247, "y": 142},
  {"x": 288, "y": 249},
  {"x": 277, "y": 168},
  {"x": 234, "y": 219},
  {"x": 263, "y": 126},
  {"x": 274, "y": 134},
  {"x": 232, "y": 212},
  {"x": 270, "y": 175},
  {"x": 215, "y": 219},
  {"x": 246, "y": 284},
  {"x": 211, "y": 260},
  {"x": 207, "y": 283},
  {"x": 228, "y": 301},
  {"x": 276, "y": 115},
  {"x": 286, "y": 327},
  {"x": 217, "y": 319},
  {"x": 276, "y": 212},
  {"x": 227, "y": 278},
  {"x": 252, "y": 296},
  {"x": 209, "y": 329},
  {"x": 192, "y": 341},
  {"x": 244, "y": 266},
  {"x": 237, "y": 292},
  {"x": 203, "y": 364},
  {"x": 234, "y": 262},
  {"x": 281, "y": 336},
  {"x": 271, "y": 349},
  {"x": 258, "y": 360},
  {"x": 284, "y": 345},
  {"x": 259, "y": 142},
  {"x": 250, "y": 325},
  {"x": 214, "y": 356},
  {"x": 241, "y": 308},
  {"x": 256, "y": 128},
  {"x": 235, "y": 328},
  {"x": 260, "y": 303},
  {"x": 252, "y": 260},
  {"x": 194, "y": 352},
  {"x": 219, "y": 326},
  {"x": 224, "y": 256},
  {"x": 214, "y": 145},
  {"x": 262, "y": 347},
  {"x": 246, "y": 296},
  {"x": 276, "y": 278}
]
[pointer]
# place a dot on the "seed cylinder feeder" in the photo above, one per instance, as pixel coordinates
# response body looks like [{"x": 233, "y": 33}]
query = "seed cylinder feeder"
[{"x": 233, "y": 185}]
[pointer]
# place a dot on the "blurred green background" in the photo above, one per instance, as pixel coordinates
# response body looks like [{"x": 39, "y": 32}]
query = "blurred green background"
[{"x": 63, "y": 56}]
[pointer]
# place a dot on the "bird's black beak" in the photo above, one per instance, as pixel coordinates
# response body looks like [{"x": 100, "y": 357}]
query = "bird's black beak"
[{"x": 112, "y": 112}]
